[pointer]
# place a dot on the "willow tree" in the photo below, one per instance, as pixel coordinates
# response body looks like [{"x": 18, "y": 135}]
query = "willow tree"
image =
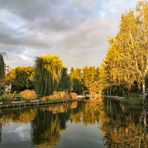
[
  {"x": 2, "y": 67},
  {"x": 48, "y": 72},
  {"x": 130, "y": 47}
]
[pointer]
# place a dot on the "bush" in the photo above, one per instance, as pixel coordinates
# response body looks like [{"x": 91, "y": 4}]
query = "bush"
[
  {"x": 28, "y": 95},
  {"x": 60, "y": 95},
  {"x": 73, "y": 95},
  {"x": 8, "y": 97},
  {"x": 2, "y": 87}
]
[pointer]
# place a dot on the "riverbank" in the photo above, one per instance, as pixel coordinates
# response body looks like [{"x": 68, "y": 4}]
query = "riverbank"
[
  {"x": 129, "y": 102},
  {"x": 30, "y": 98},
  {"x": 35, "y": 103}
]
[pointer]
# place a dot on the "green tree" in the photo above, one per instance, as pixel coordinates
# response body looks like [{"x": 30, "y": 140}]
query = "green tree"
[
  {"x": 77, "y": 82},
  {"x": 65, "y": 82},
  {"x": 86, "y": 78},
  {"x": 48, "y": 74},
  {"x": 2, "y": 67},
  {"x": 21, "y": 78},
  {"x": 2, "y": 74}
]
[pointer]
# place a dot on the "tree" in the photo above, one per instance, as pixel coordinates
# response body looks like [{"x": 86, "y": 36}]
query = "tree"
[
  {"x": 21, "y": 78},
  {"x": 90, "y": 77},
  {"x": 48, "y": 74},
  {"x": 2, "y": 67},
  {"x": 86, "y": 78},
  {"x": 2, "y": 74},
  {"x": 128, "y": 51},
  {"x": 65, "y": 82},
  {"x": 77, "y": 82}
]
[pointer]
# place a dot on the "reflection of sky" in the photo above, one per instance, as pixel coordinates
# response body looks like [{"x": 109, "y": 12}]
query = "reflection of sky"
[
  {"x": 81, "y": 136},
  {"x": 16, "y": 133}
]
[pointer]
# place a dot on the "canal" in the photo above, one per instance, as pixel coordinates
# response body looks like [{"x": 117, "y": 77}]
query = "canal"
[{"x": 74, "y": 125}]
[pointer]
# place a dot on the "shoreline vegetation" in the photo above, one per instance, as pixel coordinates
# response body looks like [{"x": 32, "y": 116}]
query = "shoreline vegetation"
[
  {"x": 123, "y": 72},
  {"x": 30, "y": 95},
  {"x": 19, "y": 104},
  {"x": 132, "y": 103},
  {"x": 19, "y": 100},
  {"x": 29, "y": 98}
]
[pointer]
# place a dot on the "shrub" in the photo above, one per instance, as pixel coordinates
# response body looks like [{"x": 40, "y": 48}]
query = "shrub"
[
  {"x": 8, "y": 97},
  {"x": 73, "y": 95},
  {"x": 60, "y": 95},
  {"x": 1, "y": 89},
  {"x": 28, "y": 95}
]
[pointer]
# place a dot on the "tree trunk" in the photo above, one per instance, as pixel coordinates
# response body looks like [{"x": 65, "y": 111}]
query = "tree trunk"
[
  {"x": 143, "y": 88},
  {"x": 110, "y": 91},
  {"x": 107, "y": 93}
]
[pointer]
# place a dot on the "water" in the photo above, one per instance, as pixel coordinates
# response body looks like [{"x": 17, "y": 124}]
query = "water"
[{"x": 75, "y": 125}]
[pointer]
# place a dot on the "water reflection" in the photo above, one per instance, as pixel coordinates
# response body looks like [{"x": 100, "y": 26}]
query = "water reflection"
[
  {"x": 85, "y": 124},
  {"x": 124, "y": 127}
]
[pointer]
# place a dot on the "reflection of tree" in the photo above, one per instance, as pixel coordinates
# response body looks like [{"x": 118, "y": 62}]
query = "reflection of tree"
[
  {"x": 28, "y": 116},
  {"x": 91, "y": 112},
  {"x": 76, "y": 114},
  {"x": 88, "y": 113},
  {"x": 17, "y": 115},
  {"x": 47, "y": 122},
  {"x": 123, "y": 129},
  {"x": 46, "y": 127},
  {"x": 50, "y": 121},
  {"x": 6, "y": 116}
]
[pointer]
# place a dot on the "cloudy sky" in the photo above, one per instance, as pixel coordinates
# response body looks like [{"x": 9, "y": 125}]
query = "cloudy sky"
[{"x": 76, "y": 30}]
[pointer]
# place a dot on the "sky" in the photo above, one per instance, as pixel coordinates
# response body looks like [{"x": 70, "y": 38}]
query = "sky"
[{"x": 76, "y": 30}]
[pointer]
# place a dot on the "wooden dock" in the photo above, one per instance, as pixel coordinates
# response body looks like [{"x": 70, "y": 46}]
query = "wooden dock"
[{"x": 35, "y": 103}]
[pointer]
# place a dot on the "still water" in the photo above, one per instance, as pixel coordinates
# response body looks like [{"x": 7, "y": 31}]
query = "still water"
[{"x": 74, "y": 125}]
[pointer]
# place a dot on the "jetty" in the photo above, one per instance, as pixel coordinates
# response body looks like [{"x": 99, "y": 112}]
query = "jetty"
[{"x": 35, "y": 103}]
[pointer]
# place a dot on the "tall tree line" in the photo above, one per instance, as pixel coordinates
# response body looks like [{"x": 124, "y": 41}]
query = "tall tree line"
[
  {"x": 85, "y": 78},
  {"x": 126, "y": 63}
]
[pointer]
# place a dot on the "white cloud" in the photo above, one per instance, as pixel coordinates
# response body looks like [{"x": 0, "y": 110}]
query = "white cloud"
[
  {"x": 76, "y": 30},
  {"x": 12, "y": 20}
]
